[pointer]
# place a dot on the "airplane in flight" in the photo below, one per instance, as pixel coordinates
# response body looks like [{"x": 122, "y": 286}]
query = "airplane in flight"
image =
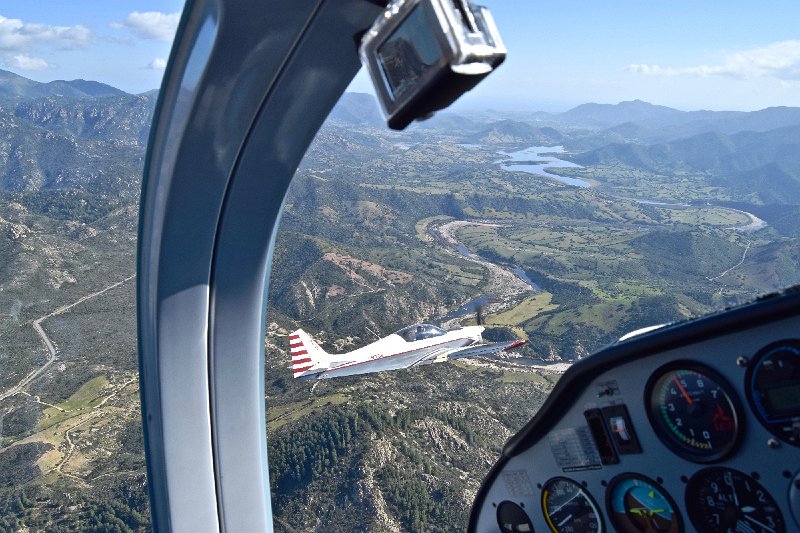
[{"x": 415, "y": 345}]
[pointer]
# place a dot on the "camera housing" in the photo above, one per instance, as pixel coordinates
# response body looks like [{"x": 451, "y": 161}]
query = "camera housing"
[{"x": 422, "y": 55}]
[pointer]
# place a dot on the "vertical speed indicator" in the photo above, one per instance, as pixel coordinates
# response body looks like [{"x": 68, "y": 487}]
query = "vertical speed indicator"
[{"x": 694, "y": 411}]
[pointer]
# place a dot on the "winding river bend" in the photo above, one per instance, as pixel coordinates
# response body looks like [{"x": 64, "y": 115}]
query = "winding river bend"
[{"x": 507, "y": 282}]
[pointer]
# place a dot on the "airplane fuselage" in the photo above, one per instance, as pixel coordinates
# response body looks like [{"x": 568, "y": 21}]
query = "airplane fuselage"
[{"x": 394, "y": 352}]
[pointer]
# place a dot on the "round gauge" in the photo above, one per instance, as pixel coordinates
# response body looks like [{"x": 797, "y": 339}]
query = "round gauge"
[
  {"x": 512, "y": 518},
  {"x": 694, "y": 411},
  {"x": 723, "y": 499},
  {"x": 637, "y": 504},
  {"x": 568, "y": 507},
  {"x": 773, "y": 389}
]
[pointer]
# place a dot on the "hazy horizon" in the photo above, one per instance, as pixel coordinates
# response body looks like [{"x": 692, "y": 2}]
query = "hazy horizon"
[
  {"x": 561, "y": 54},
  {"x": 466, "y": 107}
]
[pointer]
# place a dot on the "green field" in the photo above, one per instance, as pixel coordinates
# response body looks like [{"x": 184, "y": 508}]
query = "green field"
[{"x": 281, "y": 415}]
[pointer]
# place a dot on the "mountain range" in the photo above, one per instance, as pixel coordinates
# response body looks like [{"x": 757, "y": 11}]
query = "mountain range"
[
  {"x": 640, "y": 117},
  {"x": 14, "y": 85}
]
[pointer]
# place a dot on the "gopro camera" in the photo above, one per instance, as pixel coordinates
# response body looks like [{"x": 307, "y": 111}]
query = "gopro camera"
[{"x": 424, "y": 54}]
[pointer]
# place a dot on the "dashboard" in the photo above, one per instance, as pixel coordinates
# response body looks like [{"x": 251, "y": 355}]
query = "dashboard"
[{"x": 691, "y": 427}]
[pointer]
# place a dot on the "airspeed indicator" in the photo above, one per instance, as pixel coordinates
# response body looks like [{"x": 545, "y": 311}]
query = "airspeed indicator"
[{"x": 569, "y": 508}]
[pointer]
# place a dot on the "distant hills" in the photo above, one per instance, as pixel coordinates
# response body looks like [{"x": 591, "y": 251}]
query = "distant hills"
[
  {"x": 706, "y": 151},
  {"x": 765, "y": 163},
  {"x": 627, "y": 121},
  {"x": 89, "y": 128},
  {"x": 608, "y": 115},
  {"x": 513, "y": 132},
  {"x": 13, "y": 85},
  {"x": 358, "y": 109},
  {"x": 644, "y": 122}
]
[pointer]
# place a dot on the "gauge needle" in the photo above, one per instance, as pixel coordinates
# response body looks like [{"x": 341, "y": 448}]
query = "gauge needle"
[
  {"x": 683, "y": 391},
  {"x": 567, "y": 519},
  {"x": 735, "y": 497},
  {"x": 759, "y": 524}
]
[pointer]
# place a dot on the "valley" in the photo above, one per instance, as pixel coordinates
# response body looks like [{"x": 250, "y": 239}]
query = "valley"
[{"x": 380, "y": 230}]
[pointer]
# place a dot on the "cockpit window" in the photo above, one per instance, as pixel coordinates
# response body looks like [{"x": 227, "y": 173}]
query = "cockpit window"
[
  {"x": 419, "y": 332},
  {"x": 526, "y": 211}
]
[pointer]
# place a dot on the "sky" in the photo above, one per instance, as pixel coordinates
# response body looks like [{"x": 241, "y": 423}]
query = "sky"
[{"x": 735, "y": 55}]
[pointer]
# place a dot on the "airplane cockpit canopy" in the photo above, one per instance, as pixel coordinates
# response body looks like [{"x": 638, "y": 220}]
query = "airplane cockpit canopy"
[{"x": 418, "y": 332}]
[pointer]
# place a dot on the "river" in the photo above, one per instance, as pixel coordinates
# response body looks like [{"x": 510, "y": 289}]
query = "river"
[
  {"x": 535, "y": 160},
  {"x": 755, "y": 223},
  {"x": 508, "y": 282}
]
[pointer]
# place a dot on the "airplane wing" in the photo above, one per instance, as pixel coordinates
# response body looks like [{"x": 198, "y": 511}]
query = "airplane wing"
[
  {"x": 484, "y": 349},
  {"x": 380, "y": 364}
]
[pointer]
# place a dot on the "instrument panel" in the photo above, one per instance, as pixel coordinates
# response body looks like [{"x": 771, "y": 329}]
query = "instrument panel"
[{"x": 693, "y": 427}]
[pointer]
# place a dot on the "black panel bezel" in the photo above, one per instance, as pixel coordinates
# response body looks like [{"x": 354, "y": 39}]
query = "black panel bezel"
[
  {"x": 519, "y": 508},
  {"x": 748, "y": 386}
]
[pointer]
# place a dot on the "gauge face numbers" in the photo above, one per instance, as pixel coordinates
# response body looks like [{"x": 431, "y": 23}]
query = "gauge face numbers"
[
  {"x": 723, "y": 499},
  {"x": 694, "y": 411},
  {"x": 568, "y": 507},
  {"x": 638, "y": 504},
  {"x": 773, "y": 389},
  {"x": 512, "y": 518}
]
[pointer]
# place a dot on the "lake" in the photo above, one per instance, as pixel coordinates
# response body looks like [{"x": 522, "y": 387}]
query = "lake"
[{"x": 534, "y": 161}]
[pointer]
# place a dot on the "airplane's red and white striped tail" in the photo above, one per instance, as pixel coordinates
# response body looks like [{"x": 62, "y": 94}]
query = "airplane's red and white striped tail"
[{"x": 307, "y": 356}]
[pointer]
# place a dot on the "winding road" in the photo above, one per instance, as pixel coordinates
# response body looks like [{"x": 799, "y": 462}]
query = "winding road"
[
  {"x": 51, "y": 348},
  {"x": 744, "y": 256}
]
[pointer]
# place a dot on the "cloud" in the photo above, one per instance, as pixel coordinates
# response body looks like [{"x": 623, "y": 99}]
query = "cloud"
[
  {"x": 151, "y": 24},
  {"x": 26, "y": 62},
  {"x": 779, "y": 60},
  {"x": 158, "y": 63},
  {"x": 19, "y": 36}
]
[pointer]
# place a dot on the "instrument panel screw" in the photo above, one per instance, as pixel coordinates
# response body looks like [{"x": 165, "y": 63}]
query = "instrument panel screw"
[
  {"x": 773, "y": 443},
  {"x": 742, "y": 361}
]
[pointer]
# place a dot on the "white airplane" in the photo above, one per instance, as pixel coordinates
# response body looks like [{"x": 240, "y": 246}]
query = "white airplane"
[{"x": 415, "y": 345}]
